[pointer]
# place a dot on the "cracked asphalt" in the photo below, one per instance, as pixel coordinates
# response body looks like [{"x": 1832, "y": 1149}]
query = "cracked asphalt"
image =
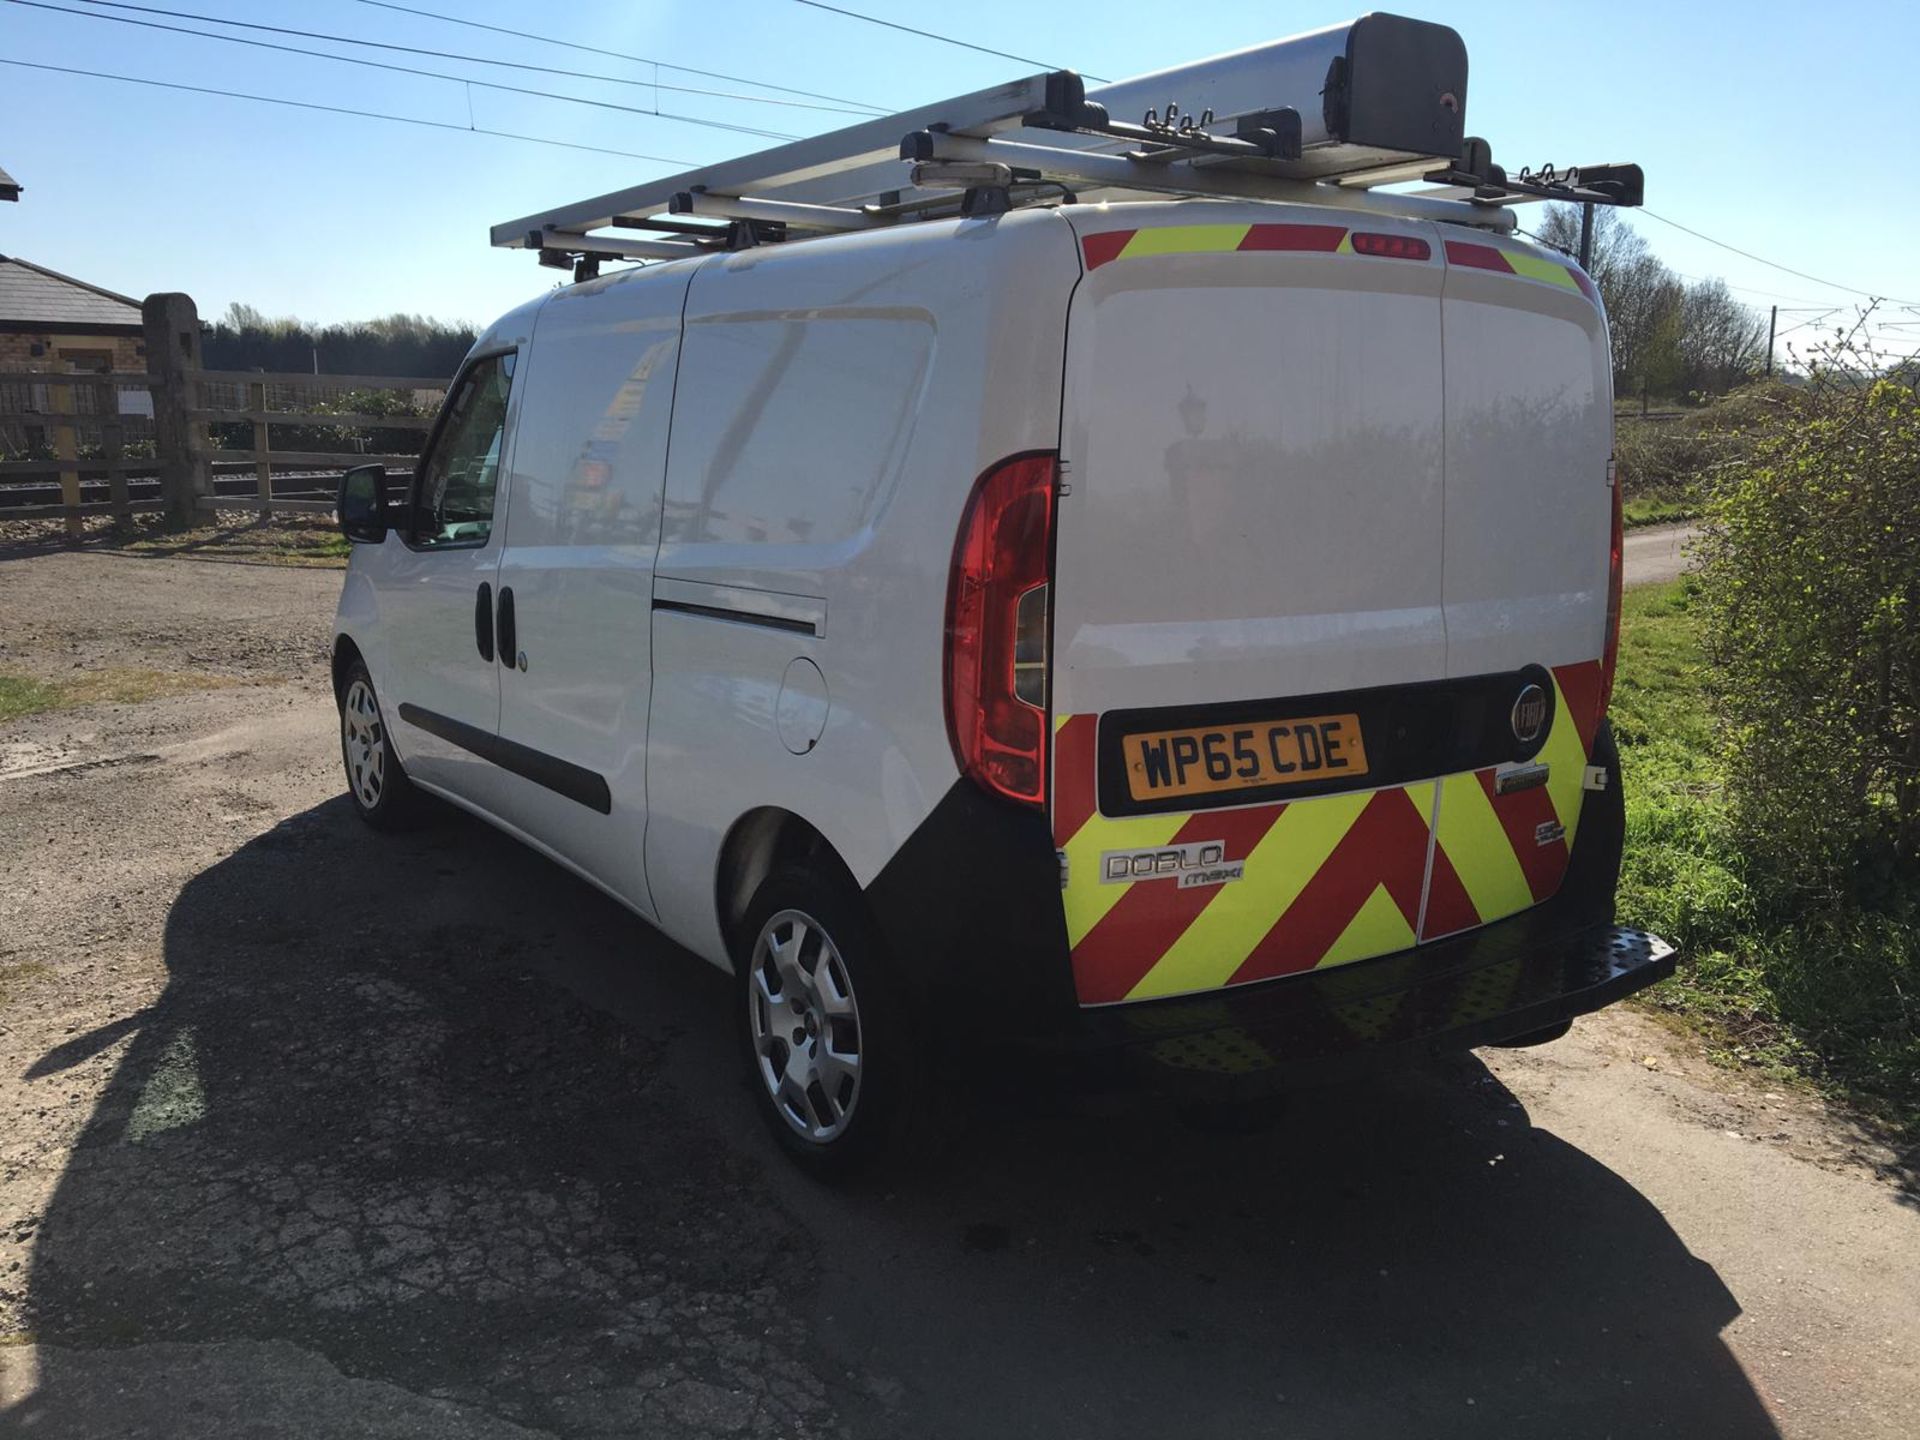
[{"x": 313, "y": 1132}]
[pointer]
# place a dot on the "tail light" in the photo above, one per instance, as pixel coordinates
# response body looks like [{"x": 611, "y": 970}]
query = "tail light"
[
  {"x": 997, "y": 629},
  {"x": 1616, "y": 575}
]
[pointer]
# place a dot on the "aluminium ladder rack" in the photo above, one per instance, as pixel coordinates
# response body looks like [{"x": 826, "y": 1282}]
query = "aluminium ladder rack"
[{"x": 1324, "y": 118}]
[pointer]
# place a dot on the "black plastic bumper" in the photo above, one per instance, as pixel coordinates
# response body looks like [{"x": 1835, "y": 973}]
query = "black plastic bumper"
[{"x": 1505, "y": 980}]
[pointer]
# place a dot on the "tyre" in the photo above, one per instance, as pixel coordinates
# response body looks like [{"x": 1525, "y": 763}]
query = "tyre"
[
  {"x": 829, "y": 1038},
  {"x": 382, "y": 795}
]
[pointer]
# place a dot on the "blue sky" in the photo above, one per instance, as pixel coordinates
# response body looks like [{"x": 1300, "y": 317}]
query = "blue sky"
[{"x": 1769, "y": 125}]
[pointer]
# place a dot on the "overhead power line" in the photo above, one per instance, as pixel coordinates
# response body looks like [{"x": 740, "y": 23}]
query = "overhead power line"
[
  {"x": 1750, "y": 290},
  {"x": 1698, "y": 279},
  {"x": 615, "y": 54},
  {"x": 655, "y": 113},
  {"x": 433, "y": 53},
  {"x": 1771, "y": 264},
  {"x": 943, "y": 39},
  {"x": 339, "y": 110},
  {"x": 1805, "y": 324}
]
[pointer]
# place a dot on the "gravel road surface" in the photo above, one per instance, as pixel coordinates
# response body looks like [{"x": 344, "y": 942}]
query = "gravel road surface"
[{"x": 313, "y": 1132}]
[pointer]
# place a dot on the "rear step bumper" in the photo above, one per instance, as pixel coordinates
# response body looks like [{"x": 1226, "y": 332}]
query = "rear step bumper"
[{"x": 1505, "y": 980}]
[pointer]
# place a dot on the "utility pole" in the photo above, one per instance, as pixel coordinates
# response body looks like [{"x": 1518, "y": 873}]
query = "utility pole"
[
  {"x": 1586, "y": 238},
  {"x": 1772, "y": 320}
]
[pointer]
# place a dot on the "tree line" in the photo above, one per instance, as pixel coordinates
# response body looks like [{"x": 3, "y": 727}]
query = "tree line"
[
  {"x": 1670, "y": 336},
  {"x": 399, "y": 344}
]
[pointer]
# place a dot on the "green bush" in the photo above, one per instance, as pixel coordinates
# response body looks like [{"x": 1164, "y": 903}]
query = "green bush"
[
  {"x": 1810, "y": 592},
  {"x": 1772, "y": 976},
  {"x": 1669, "y": 461}
]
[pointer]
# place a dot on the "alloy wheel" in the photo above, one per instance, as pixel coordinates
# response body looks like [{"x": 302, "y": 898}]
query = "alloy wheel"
[
  {"x": 806, "y": 1026},
  {"x": 363, "y": 737}
]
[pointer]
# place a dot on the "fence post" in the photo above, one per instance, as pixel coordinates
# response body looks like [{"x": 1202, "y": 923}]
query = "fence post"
[
  {"x": 263, "y": 467},
  {"x": 66, "y": 450},
  {"x": 173, "y": 359},
  {"x": 111, "y": 439}
]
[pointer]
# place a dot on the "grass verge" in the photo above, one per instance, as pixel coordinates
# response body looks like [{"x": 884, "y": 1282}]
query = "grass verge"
[
  {"x": 1644, "y": 510},
  {"x": 22, "y": 695},
  {"x": 293, "y": 540},
  {"x": 227, "y": 535},
  {"x": 1833, "y": 998}
]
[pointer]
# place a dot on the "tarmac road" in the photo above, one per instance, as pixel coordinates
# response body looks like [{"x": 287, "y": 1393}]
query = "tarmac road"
[
  {"x": 1658, "y": 553},
  {"x": 316, "y": 1132}
]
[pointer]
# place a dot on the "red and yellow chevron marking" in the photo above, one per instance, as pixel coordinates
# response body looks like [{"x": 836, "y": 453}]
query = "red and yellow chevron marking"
[
  {"x": 1328, "y": 880},
  {"x": 1511, "y": 262},
  {"x": 1211, "y": 239},
  {"x": 1109, "y": 245},
  {"x": 1489, "y": 841}
]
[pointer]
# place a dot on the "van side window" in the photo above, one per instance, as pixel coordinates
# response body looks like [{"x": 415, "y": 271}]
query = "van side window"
[{"x": 453, "y": 498}]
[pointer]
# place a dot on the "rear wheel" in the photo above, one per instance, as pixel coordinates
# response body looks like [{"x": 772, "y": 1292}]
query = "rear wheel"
[
  {"x": 382, "y": 794},
  {"x": 827, "y": 1036}
]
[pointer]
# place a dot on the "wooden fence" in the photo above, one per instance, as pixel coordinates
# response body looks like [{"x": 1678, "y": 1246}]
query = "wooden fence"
[
  {"x": 190, "y": 472},
  {"x": 267, "y": 399}
]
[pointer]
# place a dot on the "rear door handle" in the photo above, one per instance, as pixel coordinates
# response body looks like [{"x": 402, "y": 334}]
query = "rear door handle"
[
  {"x": 504, "y": 629},
  {"x": 483, "y": 621}
]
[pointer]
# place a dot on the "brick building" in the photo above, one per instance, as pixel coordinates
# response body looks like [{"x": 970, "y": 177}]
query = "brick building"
[
  {"x": 53, "y": 322},
  {"x": 50, "y": 321}
]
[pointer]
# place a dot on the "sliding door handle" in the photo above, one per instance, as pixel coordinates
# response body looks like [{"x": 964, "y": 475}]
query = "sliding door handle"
[
  {"x": 507, "y": 636},
  {"x": 483, "y": 621}
]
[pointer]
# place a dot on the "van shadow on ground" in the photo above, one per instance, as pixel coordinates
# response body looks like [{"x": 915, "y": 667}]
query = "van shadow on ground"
[{"x": 373, "y": 1116}]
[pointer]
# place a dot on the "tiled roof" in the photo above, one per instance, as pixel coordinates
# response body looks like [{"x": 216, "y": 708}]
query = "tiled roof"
[
  {"x": 9, "y": 187},
  {"x": 32, "y": 293}
]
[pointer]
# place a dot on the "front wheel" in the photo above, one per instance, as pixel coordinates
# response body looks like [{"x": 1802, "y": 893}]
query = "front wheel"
[
  {"x": 382, "y": 794},
  {"x": 828, "y": 1037}
]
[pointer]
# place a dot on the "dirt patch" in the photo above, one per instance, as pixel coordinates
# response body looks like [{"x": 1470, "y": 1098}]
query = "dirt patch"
[
  {"x": 72, "y": 615},
  {"x": 1780, "y": 1112}
]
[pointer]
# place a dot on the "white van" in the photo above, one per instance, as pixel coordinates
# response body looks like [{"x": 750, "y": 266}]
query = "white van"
[{"x": 1181, "y": 628}]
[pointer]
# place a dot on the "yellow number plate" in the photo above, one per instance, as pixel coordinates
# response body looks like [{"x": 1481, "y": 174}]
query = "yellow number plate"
[{"x": 1209, "y": 759}]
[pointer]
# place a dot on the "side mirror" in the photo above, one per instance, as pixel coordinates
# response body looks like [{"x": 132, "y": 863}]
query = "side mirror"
[{"x": 363, "y": 504}]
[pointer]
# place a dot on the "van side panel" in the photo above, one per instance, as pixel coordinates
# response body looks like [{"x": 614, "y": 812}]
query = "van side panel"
[
  {"x": 583, "y": 523},
  {"x": 834, "y": 407},
  {"x": 410, "y": 611}
]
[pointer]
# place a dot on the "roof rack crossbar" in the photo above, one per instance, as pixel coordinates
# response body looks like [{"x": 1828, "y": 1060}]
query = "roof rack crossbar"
[
  {"x": 1124, "y": 173},
  {"x": 668, "y": 225},
  {"x": 611, "y": 247},
  {"x": 787, "y": 212}
]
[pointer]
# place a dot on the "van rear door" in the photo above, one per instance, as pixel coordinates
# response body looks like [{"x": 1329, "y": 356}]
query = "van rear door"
[
  {"x": 1528, "y": 519},
  {"x": 1249, "y": 592}
]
